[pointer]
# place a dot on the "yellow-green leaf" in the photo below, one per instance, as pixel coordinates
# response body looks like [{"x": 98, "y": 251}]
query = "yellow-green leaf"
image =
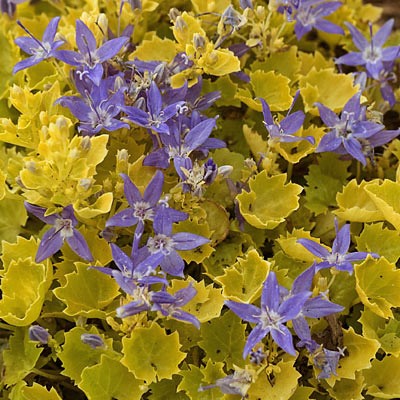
[
  {"x": 377, "y": 239},
  {"x": 24, "y": 287},
  {"x": 155, "y": 49},
  {"x": 110, "y": 379},
  {"x": 150, "y": 354},
  {"x": 278, "y": 99},
  {"x": 207, "y": 303},
  {"x": 386, "y": 197},
  {"x": 87, "y": 292},
  {"x": 223, "y": 339},
  {"x": 76, "y": 355},
  {"x": 269, "y": 201},
  {"x": 324, "y": 181},
  {"x": 35, "y": 392},
  {"x": 285, "y": 383},
  {"x": 377, "y": 284},
  {"x": 386, "y": 331},
  {"x": 346, "y": 389},
  {"x": 20, "y": 358},
  {"x": 243, "y": 281},
  {"x": 355, "y": 203},
  {"x": 331, "y": 89},
  {"x": 383, "y": 378}
]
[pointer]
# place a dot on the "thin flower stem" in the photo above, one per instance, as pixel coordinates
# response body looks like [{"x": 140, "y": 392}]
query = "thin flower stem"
[
  {"x": 52, "y": 376},
  {"x": 7, "y": 327}
]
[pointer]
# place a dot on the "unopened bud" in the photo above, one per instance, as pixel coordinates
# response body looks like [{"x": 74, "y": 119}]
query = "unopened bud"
[
  {"x": 173, "y": 14},
  {"x": 93, "y": 340},
  {"x": 38, "y": 334}
]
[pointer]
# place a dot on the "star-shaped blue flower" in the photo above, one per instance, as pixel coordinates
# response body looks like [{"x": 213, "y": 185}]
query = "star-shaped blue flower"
[
  {"x": 272, "y": 316},
  {"x": 89, "y": 59},
  {"x": 284, "y": 130},
  {"x": 63, "y": 230},
  {"x": 38, "y": 49},
  {"x": 372, "y": 55},
  {"x": 339, "y": 257}
]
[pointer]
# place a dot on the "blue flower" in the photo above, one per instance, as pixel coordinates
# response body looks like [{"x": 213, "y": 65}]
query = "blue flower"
[
  {"x": 90, "y": 58},
  {"x": 137, "y": 270},
  {"x": 156, "y": 116},
  {"x": 310, "y": 13},
  {"x": 178, "y": 146},
  {"x": 272, "y": 315},
  {"x": 284, "y": 130},
  {"x": 372, "y": 55},
  {"x": 352, "y": 133},
  {"x": 39, "y": 50},
  {"x": 99, "y": 106},
  {"x": 170, "y": 304},
  {"x": 338, "y": 257},
  {"x": 63, "y": 230},
  {"x": 314, "y": 307},
  {"x": 165, "y": 243}
]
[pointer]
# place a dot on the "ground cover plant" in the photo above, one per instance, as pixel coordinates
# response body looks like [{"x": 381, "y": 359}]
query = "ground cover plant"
[{"x": 199, "y": 200}]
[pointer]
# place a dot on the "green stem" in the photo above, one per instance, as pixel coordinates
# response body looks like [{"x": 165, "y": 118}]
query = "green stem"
[
  {"x": 7, "y": 327},
  {"x": 54, "y": 377}
]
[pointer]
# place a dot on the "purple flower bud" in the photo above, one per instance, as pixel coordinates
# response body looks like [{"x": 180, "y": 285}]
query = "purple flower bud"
[
  {"x": 93, "y": 340},
  {"x": 38, "y": 334}
]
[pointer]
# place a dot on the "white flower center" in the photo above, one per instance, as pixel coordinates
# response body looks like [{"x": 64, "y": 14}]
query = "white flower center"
[
  {"x": 64, "y": 227},
  {"x": 162, "y": 243},
  {"x": 143, "y": 210}
]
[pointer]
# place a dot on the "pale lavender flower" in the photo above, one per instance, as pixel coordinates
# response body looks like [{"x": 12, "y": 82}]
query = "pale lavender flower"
[
  {"x": 38, "y": 334},
  {"x": 310, "y": 14},
  {"x": 39, "y": 50},
  {"x": 237, "y": 383},
  {"x": 284, "y": 130},
  {"x": 63, "y": 230},
  {"x": 372, "y": 55},
  {"x": 272, "y": 315},
  {"x": 89, "y": 59},
  {"x": 339, "y": 257}
]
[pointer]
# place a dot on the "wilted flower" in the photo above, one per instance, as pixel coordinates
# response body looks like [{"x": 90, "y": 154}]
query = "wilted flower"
[{"x": 237, "y": 383}]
